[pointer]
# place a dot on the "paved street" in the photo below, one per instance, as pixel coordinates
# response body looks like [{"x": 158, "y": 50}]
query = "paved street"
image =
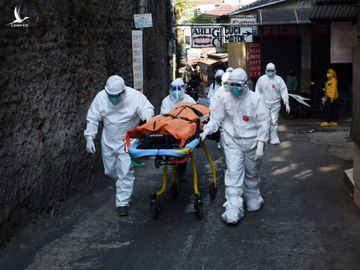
[{"x": 309, "y": 220}]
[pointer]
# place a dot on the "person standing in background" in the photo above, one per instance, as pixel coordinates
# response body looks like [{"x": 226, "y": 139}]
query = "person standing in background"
[
  {"x": 291, "y": 81},
  {"x": 332, "y": 94},
  {"x": 273, "y": 88}
]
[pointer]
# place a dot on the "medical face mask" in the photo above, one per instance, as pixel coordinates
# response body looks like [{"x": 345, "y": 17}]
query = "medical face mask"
[
  {"x": 115, "y": 99},
  {"x": 236, "y": 89},
  {"x": 270, "y": 73},
  {"x": 176, "y": 92},
  {"x": 329, "y": 75}
]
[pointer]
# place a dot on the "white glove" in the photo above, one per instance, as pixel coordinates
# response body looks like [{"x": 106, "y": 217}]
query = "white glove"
[
  {"x": 203, "y": 135},
  {"x": 287, "y": 107},
  {"x": 259, "y": 154},
  {"x": 90, "y": 146}
]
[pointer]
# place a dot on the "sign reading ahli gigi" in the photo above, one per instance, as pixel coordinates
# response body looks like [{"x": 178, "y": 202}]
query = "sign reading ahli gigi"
[{"x": 203, "y": 37}]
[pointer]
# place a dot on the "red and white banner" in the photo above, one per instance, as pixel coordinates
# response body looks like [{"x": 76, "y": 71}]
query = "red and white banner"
[{"x": 253, "y": 59}]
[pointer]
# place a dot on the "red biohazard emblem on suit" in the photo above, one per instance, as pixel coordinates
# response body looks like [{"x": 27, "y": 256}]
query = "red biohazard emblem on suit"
[
  {"x": 245, "y": 118},
  {"x": 273, "y": 86}
]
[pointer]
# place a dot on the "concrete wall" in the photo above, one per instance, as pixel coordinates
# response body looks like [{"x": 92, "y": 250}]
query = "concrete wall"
[
  {"x": 50, "y": 72},
  {"x": 355, "y": 126}
]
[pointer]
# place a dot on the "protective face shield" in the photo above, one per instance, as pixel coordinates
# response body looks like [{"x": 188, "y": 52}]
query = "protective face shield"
[
  {"x": 177, "y": 89},
  {"x": 236, "y": 89},
  {"x": 225, "y": 79},
  {"x": 219, "y": 73},
  {"x": 270, "y": 70},
  {"x": 237, "y": 84},
  {"x": 115, "y": 88}
]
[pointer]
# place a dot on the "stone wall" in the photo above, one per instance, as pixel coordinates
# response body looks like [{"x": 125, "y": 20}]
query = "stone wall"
[{"x": 50, "y": 72}]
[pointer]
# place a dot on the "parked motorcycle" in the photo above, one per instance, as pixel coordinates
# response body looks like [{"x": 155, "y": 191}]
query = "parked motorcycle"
[
  {"x": 192, "y": 88},
  {"x": 305, "y": 104}
]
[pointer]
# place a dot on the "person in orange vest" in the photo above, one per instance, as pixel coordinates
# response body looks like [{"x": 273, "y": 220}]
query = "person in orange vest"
[{"x": 332, "y": 94}]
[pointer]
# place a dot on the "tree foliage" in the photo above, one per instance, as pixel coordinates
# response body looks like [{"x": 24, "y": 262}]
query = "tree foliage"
[
  {"x": 184, "y": 10},
  {"x": 200, "y": 18}
]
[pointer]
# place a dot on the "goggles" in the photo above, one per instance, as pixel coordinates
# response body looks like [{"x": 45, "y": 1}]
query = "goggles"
[
  {"x": 116, "y": 95},
  {"x": 234, "y": 84},
  {"x": 176, "y": 87}
]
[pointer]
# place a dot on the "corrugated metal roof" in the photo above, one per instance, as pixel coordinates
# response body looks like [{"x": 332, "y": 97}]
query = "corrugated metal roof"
[
  {"x": 334, "y": 10},
  {"x": 334, "y": 2},
  {"x": 284, "y": 16}
]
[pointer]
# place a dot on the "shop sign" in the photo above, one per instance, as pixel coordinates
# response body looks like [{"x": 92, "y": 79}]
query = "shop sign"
[
  {"x": 203, "y": 37},
  {"x": 243, "y": 20},
  {"x": 253, "y": 59},
  {"x": 137, "y": 53},
  {"x": 237, "y": 34},
  {"x": 143, "y": 20}
]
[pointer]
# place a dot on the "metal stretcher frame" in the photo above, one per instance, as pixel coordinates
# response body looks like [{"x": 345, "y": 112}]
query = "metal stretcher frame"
[{"x": 174, "y": 157}]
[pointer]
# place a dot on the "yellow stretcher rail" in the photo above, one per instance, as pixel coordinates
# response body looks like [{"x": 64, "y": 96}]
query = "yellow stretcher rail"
[
  {"x": 164, "y": 180},
  {"x": 196, "y": 190},
  {"x": 174, "y": 184}
]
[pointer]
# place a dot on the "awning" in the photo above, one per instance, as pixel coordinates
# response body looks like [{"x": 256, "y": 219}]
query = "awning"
[
  {"x": 211, "y": 61},
  {"x": 334, "y": 10},
  {"x": 284, "y": 16}
]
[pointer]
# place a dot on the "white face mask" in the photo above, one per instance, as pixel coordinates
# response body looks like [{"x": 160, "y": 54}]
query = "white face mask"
[
  {"x": 270, "y": 73},
  {"x": 177, "y": 92}
]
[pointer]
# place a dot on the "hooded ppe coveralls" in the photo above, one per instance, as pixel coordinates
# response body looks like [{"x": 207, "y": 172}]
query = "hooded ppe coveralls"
[
  {"x": 273, "y": 89},
  {"x": 117, "y": 120},
  {"x": 169, "y": 104},
  {"x": 245, "y": 120},
  {"x": 214, "y": 86}
]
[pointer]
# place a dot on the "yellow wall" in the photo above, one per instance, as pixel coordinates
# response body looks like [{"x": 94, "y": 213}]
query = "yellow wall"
[{"x": 237, "y": 55}]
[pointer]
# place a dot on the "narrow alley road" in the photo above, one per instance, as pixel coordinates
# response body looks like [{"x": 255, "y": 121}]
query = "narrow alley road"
[{"x": 309, "y": 220}]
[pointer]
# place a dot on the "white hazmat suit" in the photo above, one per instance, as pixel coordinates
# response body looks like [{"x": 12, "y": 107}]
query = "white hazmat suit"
[
  {"x": 215, "y": 85},
  {"x": 217, "y": 96},
  {"x": 272, "y": 87},
  {"x": 176, "y": 96},
  {"x": 117, "y": 119},
  {"x": 245, "y": 120}
]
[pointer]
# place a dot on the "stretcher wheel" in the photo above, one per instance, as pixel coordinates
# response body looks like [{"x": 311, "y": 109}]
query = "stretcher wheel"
[
  {"x": 198, "y": 207},
  {"x": 155, "y": 209},
  {"x": 212, "y": 190},
  {"x": 174, "y": 190}
]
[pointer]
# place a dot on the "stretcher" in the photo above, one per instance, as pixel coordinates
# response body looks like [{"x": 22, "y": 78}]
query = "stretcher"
[{"x": 169, "y": 155}]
